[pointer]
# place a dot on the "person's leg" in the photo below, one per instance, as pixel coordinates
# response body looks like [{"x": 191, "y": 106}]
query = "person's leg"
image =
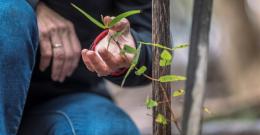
[
  {"x": 18, "y": 43},
  {"x": 78, "y": 114}
]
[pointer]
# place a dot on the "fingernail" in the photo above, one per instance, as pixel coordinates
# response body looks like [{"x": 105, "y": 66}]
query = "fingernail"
[
  {"x": 61, "y": 81},
  {"x": 100, "y": 51},
  {"x": 69, "y": 74},
  {"x": 42, "y": 68},
  {"x": 83, "y": 51},
  {"x": 54, "y": 78}
]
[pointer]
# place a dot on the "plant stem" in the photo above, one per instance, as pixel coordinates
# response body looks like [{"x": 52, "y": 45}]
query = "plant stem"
[
  {"x": 169, "y": 106},
  {"x": 148, "y": 77},
  {"x": 153, "y": 79},
  {"x": 162, "y": 102}
]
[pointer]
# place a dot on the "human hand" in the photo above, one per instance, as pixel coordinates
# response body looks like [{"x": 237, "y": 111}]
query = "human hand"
[
  {"x": 58, "y": 43},
  {"x": 105, "y": 59}
]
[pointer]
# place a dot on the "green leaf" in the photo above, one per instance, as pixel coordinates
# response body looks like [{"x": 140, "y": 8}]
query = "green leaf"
[
  {"x": 99, "y": 24},
  {"x": 141, "y": 70},
  {"x": 181, "y": 46},
  {"x": 127, "y": 74},
  {"x": 150, "y": 103},
  {"x": 121, "y": 16},
  {"x": 166, "y": 55},
  {"x": 178, "y": 93},
  {"x": 157, "y": 45},
  {"x": 137, "y": 55},
  {"x": 171, "y": 78},
  {"x": 133, "y": 64},
  {"x": 164, "y": 47},
  {"x": 207, "y": 110},
  {"x": 164, "y": 63},
  {"x": 116, "y": 34},
  {"x": 129, "y": 49},
  {"x": 161, "y": 119}
]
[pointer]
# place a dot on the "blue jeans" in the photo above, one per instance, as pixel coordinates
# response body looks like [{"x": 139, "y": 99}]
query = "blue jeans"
[
  {"x": 77, "y": 114},
  {"x": 72, "y": 114}
]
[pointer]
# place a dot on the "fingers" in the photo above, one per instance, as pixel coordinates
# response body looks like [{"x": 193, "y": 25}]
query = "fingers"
[
  {"x": 67, "y": 66},
  {"x": 121, "y": 25},
  {"x": 46, "y": 53},
  {"x": 76, "y": 47},
  {"x": 94, "y": 63},
  {"x": 54, "y": 29},
  {"x": 105, "y": 64},
  {"x": 45, "y": 46},
  {"x": 72, "y": 49},
  {"x": 114, "y": 62},
  {"x": 107, "y": 20},
  {"x": 58, "y": 58},
  {"x": 87, "y": 61}
]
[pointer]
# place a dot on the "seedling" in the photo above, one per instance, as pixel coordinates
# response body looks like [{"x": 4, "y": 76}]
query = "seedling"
[{"x": 166, "y": 58}]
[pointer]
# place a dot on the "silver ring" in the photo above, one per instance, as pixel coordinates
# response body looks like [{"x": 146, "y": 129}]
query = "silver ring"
[{"x": 57, "y": 46}]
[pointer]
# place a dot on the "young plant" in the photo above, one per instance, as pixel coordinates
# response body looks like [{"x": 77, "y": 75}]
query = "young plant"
[
  {"x": 166, "y": 58},
  {"x": 112, "y": 23}
]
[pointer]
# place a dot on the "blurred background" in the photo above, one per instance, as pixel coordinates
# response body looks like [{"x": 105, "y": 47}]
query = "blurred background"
[{"x": 233, "y": 85}]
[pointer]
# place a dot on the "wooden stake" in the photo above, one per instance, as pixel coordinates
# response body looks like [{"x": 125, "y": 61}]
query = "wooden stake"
[{"x": 161, "y": 34}]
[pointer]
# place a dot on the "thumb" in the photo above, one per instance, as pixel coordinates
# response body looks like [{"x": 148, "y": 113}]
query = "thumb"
[
  {"x": 107, "y": 20},
  {"x": 122, "y": 25}
]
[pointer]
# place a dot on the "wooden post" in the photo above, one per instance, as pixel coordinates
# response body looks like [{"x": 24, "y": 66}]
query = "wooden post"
[
  {"x": 197, "y": 68},
  {"x": 161, "y": 34}
]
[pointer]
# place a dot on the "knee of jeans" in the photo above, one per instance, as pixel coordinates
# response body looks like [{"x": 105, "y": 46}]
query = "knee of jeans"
[
  {"x": 116, "y": 126},
  {"x": 17, "y": 13},
  {"x": 98, "y": 122},
  {"x": 46, "y": 123},
  {"x": 19, "y": 34}
]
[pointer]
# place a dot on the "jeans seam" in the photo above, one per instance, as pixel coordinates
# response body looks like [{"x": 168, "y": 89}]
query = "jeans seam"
[
  {"x": 68, "y": 120},
  {"x": 63, "y": 114}
]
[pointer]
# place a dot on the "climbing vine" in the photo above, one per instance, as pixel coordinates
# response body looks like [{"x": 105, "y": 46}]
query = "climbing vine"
[{"x": 166, "y": 59}]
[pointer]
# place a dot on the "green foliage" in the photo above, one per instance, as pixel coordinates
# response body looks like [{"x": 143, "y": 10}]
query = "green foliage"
[
  {"x": 181, "y": 46},
  {"x": 166, "y": 58},
  {"x": 164, "y": 47},
  {"x": 137, "y": 55},
  {"x": 178, "y": 93},
  {"x": 112, "y": 23},
  {"x": 150, "y": 103},
  {"x": 205, "y": 109},
  {"x": 133, "y": 64},
  {"x": 157, "y": 45},
  {"x": 99, "y": 24},
  {"x": 115, "y": 35},
  {"x": 161, "y": 119},
  {"x": 121, "y": 16},
  {"x": 171, "y": 78},
  {"x": 129, "y": 49},
  {"x": 164, "y": 63},
  {"x": 141, "y": 71},
  {"x": 166, "y": 55}
]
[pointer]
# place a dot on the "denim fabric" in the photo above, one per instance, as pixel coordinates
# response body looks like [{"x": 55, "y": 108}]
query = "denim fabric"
[
  {"x": 71, "y": 114},
  {"x": 77, "y": 114},
  {"x": 18, "y": 44}
]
